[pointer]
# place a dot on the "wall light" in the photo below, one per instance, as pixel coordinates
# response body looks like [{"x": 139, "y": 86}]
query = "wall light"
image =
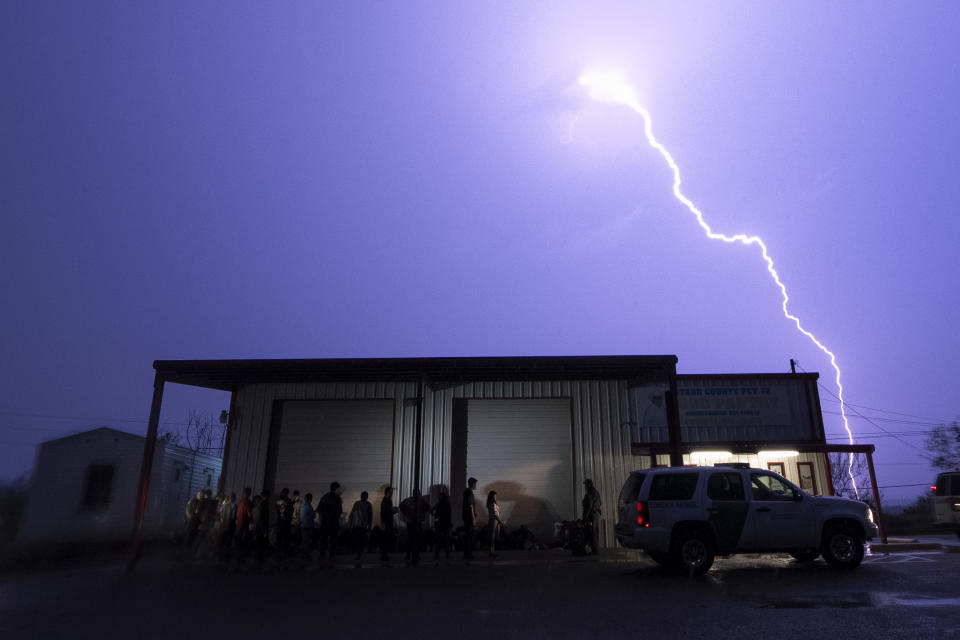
[
  {"x": 707, "y": 456},
  {"x": 779, "y": 454}
]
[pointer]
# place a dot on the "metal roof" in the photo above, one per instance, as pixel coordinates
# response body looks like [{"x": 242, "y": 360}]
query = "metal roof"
[{"x": 437, "y": 372}]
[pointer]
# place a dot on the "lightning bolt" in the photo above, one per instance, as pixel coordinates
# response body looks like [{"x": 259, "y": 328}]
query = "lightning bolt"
[{"x": 611, "y": 88}]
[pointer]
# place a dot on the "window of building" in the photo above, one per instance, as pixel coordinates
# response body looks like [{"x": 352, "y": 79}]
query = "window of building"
[
  {"x": 808, "y": 481},
  {"x": 98, "y": 486}
]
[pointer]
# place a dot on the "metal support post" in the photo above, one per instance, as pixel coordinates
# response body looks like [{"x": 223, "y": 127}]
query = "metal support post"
[
  {"x": 145, "y": 469},
  {"x": 673, "y": 422},
  {"x": 876, "y": 498}
]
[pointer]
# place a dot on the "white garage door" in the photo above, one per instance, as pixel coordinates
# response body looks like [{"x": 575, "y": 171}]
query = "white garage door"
[
  {"x": 522, "y": 449},
  {"x": 347, "y": 441}
]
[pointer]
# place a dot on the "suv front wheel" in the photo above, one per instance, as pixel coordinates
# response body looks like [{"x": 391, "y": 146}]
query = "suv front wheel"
[
  {"x": 693, "y": 551},
  {"x": 841, "y": 547}
]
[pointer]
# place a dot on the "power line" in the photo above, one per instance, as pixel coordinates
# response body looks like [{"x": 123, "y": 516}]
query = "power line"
[
  {"x": 937, "y": 421},
  {"x": 895, "y": 486},
  {"x": 893, "y": 420},
  {"x": 31, "y": 429},
  {"x": 899, "y": 439},
  {"x": 84, "y": 419},
  {"x": 903, "y": 464},
  {"x": 892, "y": 434}
]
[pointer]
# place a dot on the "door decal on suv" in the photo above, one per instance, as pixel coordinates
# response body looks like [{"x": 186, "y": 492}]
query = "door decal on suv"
[{"x": 728, "y": 509}]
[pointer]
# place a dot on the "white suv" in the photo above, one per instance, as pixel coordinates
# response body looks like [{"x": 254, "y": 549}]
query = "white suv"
[{"x": 687, "y": 515}]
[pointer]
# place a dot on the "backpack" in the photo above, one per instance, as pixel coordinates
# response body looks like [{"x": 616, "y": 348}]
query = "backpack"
[{"x": 355, "y": 521}]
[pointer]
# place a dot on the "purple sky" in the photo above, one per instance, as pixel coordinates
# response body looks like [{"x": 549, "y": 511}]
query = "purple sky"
[{"x": 188, "y": 180}]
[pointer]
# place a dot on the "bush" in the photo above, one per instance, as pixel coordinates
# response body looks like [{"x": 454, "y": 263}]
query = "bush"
[
  {"x": 915, "y": 519},
  {"x": 13, "y": 499}
]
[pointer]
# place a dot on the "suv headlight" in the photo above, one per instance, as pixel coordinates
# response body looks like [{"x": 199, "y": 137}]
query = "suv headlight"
[{"x": 869, "y": 514}]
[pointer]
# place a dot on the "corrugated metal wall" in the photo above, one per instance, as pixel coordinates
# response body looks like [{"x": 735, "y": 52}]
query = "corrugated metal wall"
[
  {"x": 523, "y": 450},
  {"x": 350, "y": 441},
  {"x": 601, "y": 439}
]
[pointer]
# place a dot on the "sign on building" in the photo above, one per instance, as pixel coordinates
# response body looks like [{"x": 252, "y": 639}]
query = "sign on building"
[{"x": 730, "y": 408}]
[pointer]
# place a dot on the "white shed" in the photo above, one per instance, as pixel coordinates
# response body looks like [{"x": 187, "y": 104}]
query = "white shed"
[{"x": 84, "y": 487}]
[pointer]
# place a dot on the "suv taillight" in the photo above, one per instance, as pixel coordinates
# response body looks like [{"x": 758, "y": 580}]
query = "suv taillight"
[{"x": 643, "y": 515}]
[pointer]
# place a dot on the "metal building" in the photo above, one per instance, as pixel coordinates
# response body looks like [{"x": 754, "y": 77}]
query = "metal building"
[{"x": 531, "y": 428}]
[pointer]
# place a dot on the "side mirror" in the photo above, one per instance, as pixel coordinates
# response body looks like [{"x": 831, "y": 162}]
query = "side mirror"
[{"x": 797, "y": 496}]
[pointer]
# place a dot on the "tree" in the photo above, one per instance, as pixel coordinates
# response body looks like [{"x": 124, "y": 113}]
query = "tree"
[
  {"x": 943, "y": 443},
  {"x": 13, "y": 499},
  {"x": 203, "y": 433},
  {"x": 840, "y": 471}
]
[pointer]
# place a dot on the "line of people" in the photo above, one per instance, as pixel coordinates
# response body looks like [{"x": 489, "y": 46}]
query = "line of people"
[
  {"x": 246, "y": 527},
  {"x": 290, "y": 525}
]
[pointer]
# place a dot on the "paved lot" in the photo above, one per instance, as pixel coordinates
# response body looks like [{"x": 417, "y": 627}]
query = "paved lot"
[{"x": 913, "y": 594}]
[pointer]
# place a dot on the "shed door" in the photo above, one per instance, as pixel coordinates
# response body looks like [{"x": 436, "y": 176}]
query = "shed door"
[
  {"x": 347, "y": 441},
  {"x": 522, "y": 449}
]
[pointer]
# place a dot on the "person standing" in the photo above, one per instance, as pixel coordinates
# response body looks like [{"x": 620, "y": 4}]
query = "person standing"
[
  {"x": 443, "y": 523},
  {"x": 284, "y": 518},
  {"x": 414, "y": 511},
  {"x": 244, "y": 517},
  {"x": 261, "y": 524},
  {"x": 360, "y": 522},
  {"x": 331, "y": 508},
  {"x": 493, "y": 514},
  {"x": 295, "y": 520},
  {"x": 591, "y": 514},
  {"x": 386, "y": 523},
  {"x": 193, "y": 514},
  {"x": 469, "y": 513},
  {"x": 208, "y": 524},
  {"x": 228, "y": 520},
  {"x": 308, "y": 525}
]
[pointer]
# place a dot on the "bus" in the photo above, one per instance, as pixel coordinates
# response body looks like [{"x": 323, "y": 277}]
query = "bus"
[{"x": 946, "y": 501}]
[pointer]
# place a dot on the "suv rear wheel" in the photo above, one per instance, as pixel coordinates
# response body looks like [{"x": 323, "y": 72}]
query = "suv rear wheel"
[
  {"x": 841, "y": 547},
  {"x": 693, "y": 551}
]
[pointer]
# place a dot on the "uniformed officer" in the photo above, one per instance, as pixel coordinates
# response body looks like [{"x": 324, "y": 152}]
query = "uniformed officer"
[{"x": 591, "y": 514}]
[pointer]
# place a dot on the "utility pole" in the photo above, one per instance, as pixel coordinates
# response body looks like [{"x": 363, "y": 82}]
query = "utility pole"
[
  {"x": 674, "y": 434},
  {"x": 793, "y": 365}
]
